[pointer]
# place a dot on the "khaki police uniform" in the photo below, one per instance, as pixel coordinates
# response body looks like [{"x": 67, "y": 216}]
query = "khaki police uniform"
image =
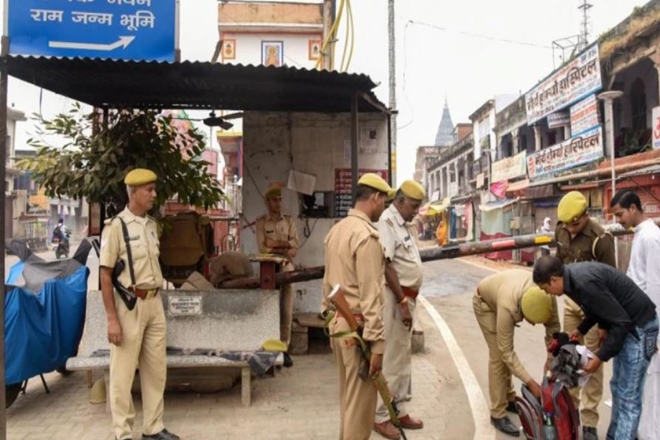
[
  {"x": 401, "y": 251},
  {"x": 280, "y": 228},
  {"x": 497, "y": 307},
  {"x": 591, "y": 244},
  {"x": 143, "y": 343},
  {"x": 354, "y": 260}
]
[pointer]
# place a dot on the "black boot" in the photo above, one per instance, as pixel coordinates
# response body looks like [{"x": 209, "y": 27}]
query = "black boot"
[
  {"x": 506, "y": 426},
  {"x": 288, "y": 362},
  {"x": 589, "y": 433}
]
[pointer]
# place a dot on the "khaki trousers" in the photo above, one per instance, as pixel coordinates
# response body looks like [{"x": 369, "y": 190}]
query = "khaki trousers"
[
  {"x": 143, "y": 346},
  {"x": 357, "y": 397},
  {"x": 397, "y": 359},
  {"x": 286, "y": 307},
  {"x": 593, "y": 391},
  {"x": 500, "y": 384}
]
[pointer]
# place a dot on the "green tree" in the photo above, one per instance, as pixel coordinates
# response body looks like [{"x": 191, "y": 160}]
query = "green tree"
[{"x": 93, "y": 161}]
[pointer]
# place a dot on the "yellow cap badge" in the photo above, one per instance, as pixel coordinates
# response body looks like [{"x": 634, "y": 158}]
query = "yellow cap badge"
[
  {"x": 571, "y": 207},
  {"x": 140, "y": 176}
]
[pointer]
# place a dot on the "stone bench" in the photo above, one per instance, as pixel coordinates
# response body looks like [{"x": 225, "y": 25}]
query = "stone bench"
[{"x": 226, "y": 320}]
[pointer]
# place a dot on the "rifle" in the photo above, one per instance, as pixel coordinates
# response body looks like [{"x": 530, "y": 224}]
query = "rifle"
[{"x": 338, "y": 300}]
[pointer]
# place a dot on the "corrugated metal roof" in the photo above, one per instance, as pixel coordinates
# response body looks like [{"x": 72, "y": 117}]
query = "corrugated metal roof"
[
  {"x": 653, "y": 169},
  {"x": 195, "y": 85}
]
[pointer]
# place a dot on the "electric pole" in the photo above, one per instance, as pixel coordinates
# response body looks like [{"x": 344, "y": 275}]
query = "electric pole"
[{"x": 392, "y": 86}]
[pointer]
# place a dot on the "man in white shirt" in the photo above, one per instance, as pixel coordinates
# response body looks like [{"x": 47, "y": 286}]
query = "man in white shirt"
[
  {"x": 403, "y": 278},
  {"x": 644, "y": 270}
]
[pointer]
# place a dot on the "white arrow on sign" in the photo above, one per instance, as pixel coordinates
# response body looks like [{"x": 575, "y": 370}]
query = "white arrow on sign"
[{"x": 123, "y": 41}]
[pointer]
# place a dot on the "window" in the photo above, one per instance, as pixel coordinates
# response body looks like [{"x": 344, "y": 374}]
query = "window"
[{"x": 638, "y": 105}]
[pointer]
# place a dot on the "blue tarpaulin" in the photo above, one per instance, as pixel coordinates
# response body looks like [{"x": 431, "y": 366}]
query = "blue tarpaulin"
[{"x": 43, "y": 325}]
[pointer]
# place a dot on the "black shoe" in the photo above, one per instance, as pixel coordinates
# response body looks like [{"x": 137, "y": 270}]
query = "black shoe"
[
  {"x": 163, "y": 435},
  {"x": 589, "y": 433},
  {"x": 511, "y": 407},
  {"x": 288, "y": 362},
  {"x": 506, "y": 426}
]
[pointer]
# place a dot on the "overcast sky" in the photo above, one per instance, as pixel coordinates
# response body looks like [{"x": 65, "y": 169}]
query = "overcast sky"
[{"x": 431, "y": 63}]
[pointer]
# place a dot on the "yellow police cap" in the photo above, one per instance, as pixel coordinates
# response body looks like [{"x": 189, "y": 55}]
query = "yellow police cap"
[
  {"x": 413, "y": 190},
  {"x": 140, "y": 176},
  {"x": 571, "y": 207},
  {"x": 275, "y": 345},
  {"x": 536, "y": 305},
  {"x": 376, "y": 182},
  {"x": 273, "y": 192}
]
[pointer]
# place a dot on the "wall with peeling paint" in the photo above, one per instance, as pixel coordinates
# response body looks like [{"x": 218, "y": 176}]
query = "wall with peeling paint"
[{"x": 312, "y": 143}]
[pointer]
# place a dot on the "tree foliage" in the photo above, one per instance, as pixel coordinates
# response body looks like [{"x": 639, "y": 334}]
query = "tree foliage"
[{"x": 93, "y": 162}]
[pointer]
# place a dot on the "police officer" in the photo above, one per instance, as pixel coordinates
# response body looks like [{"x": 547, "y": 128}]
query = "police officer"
[
  {"x": 580, "y": 238},
  {"x": 354, "y": 260},
  {"x": 403, "y": 277},
  {"x": 277, "y": 234},
  {"x": 137, "y": 336},
  {"x": 502, "y": 301}
]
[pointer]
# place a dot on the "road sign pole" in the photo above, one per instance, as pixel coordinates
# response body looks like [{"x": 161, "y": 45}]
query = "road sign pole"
[
  {"x": 5, "y": 21},
  {"x": 4, "y": 50},
  {"x": 177, "y": 27}
]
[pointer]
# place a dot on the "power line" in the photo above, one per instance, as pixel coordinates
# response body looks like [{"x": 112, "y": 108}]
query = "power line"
[{"x": 484, "y": 37}]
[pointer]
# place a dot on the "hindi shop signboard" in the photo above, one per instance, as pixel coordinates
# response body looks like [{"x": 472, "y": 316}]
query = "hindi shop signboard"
[
  {"x": 141, "y": 30},
  {"x": 510, "y": 167},
  {"x": 578, "y": 78},
  {"x": 584, "y": 115},
  {"x": 559, "y": 119},
  {"x": 656, "y": 127},
  {"x": 578, "y": 150}
]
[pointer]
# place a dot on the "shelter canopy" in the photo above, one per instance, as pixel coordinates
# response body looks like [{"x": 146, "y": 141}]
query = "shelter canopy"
[{"x": 196, "y": 85}]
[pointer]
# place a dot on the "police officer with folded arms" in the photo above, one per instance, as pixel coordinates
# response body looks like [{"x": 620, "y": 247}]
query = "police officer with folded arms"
[{"x": 136, "y": 319}]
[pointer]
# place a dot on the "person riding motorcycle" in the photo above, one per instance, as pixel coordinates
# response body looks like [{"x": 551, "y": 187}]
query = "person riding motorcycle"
[{"x": 61, "y": 237}]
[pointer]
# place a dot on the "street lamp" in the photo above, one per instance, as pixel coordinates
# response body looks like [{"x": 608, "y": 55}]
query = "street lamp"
[{"x": 608, "y": 97}]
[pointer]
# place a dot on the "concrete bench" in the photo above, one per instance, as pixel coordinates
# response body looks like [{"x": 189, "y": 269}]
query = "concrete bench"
[{"x": 224, "y": 320}]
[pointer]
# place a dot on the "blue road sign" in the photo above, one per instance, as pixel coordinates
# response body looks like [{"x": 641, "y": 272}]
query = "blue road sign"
[{"x": 117, "y": 29}]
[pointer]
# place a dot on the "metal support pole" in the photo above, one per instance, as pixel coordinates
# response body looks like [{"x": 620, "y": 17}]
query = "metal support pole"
[
  {"x": 328, "y": 20},
  {"x": 177, "y": 31},
  {"x": 355, "y": 138},
  {"x": 608, "y": 97},
  {"x": 4, "y": 78},
  {"x": 392, "y": 86},
  {"x": 391, "y": 168}
]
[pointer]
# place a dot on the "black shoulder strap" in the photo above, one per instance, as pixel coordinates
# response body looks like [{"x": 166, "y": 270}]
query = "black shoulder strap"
[{"x": 127, "y": 240}]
